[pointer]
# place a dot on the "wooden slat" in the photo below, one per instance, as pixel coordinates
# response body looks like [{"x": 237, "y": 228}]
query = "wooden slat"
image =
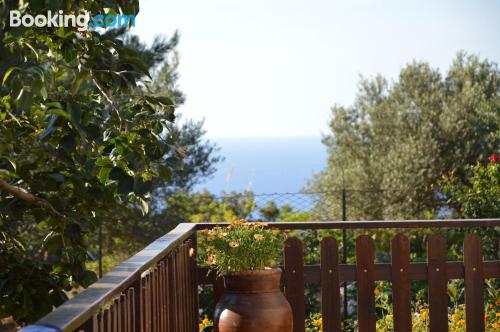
[
  {"x": 194, "y": 283},
  {"x": 401, "y": 300},
  {"x": 154, "y": 300},
  {"x": 147, "y": 302},
  {"x": 118, "y": 311},
  {"x": 100, "y": 323},
  {"x": 330, "y": 286},
  {"x": 114, "y": 317},
  {"x": 365, "y": 281},
  {"x": 123, "y": 313},
  {"x": 294, "y": 281},
  {"x": 163, "y": 296},
  {"x": 136, "y": 307},
  {"x": 218, "y": 289},
  {"x": 187, "y": 300},
  {"x": 438, "y": 283},
  {"x": 185, "y": 295},
  {"x": 170, "y": 294},
  {"x": 182, "y": 296},
  {"x": 474, "y": 280},
  {"x": 107, "y": 320},
  {"x": 143, "y": 305},
  {"x": 130, "y": 309},
  {"x": 175, "y": 293}
]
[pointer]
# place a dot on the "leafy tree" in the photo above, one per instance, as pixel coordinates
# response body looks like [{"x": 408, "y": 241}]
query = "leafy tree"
[
  {"x": 127, "y": 230},
  {"x": 476, "y": 197},
  {"x": 479, "y": 195},
  {"x": 270, "y": 212},
  {"x": 392, "y": 146},
  {"x": 207, "y": 207},
  {"x": 80, "y": 138}
]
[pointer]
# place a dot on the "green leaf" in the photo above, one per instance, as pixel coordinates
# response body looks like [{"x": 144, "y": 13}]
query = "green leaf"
[
  {"x": 76, "y": 113},
  {"x": 32, "y": 49},
  {"x": 12, "y": 163},
  {"x": 24, "y": 99},
  {"x": 138, "y": 64},
  {"x": 76, "y": 118},
  {"x": 59, "y": 112},
  {"x": 7, "y": 74},
  {"x": 165, "y": 172},
  {"x": 142, "y": 187},
  {"x": 125, "y": 184},
  {"x": 43, "y": 93},
  {"x": 68, "y": 51},
  {"x": 165, "y": 100},
  {"x": 88, "y": 278},
  {"x": 104, "y": 174},
  {"x": 144, "y": 206},
  {"x": 104, "y": 161},
  {"x": 53, "y": 243}
]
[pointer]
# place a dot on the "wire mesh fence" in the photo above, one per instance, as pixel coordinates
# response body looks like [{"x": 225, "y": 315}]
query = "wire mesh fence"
[{"x": 339, "y": 204}]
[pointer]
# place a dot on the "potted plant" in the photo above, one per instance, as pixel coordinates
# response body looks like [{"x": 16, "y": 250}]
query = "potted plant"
[{"x": 245, "y": 255}]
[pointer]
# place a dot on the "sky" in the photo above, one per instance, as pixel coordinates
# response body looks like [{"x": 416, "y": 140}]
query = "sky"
[{"x": 274, "y": 68}]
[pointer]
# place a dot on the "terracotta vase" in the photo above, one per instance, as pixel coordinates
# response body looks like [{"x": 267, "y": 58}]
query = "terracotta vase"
[{"x": 252, "y": 302}]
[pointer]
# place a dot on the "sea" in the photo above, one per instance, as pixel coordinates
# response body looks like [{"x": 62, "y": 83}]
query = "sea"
[{"x": 266, "y": 165}]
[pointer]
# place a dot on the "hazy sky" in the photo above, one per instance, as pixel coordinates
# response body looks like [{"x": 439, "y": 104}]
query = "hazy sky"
[{"x": 275, "y": 67}]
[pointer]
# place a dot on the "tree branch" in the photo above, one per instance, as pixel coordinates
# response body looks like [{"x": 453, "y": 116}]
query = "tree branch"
[
  {"x": 108, "y": 98},
  {"x": 28, "y": 197}
]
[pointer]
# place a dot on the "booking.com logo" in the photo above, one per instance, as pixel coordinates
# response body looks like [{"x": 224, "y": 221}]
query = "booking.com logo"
[{"x": 82, "y": 22}]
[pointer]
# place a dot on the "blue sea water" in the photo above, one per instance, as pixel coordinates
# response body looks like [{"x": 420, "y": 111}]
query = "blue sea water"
[{"x": 266, "y": 165}]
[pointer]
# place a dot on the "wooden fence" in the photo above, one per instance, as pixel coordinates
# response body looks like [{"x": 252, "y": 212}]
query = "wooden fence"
[
  {"x": 330, "y": 274},
  {"x": 157, "y": 289}
]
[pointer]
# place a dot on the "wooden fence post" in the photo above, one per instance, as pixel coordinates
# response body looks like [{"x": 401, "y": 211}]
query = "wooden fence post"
[
  {"x": 330, "y": 286},
  {"x": 401, "y": 301},
  {"x": 294, "y": 282},
  {"x": 365, "y": 256},
  {"x": 474, "y": 283}
]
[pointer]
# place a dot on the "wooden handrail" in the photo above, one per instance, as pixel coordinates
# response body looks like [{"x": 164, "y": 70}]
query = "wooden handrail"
[
  {"x": 440, "y": 223},
  {"x": 75, "y": 312}
]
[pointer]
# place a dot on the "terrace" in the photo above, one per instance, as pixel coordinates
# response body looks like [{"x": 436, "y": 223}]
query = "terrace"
[{"x": 157, "y": 289}]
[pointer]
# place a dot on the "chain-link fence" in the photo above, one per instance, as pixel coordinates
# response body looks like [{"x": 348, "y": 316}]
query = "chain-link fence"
[{"x": 334, "y": 205}]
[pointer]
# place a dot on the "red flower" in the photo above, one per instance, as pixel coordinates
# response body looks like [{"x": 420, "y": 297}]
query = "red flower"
[{"x": 493, "y": 158}]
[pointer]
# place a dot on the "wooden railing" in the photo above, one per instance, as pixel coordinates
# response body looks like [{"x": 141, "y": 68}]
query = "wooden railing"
[{"x": 157, "y": 289}]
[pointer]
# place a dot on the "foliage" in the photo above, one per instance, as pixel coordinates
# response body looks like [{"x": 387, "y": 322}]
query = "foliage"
[
  {"x": 392, "y": 146},
  {"x": 83, "y": 140},
  {"x": 127, "y": 230},
  {"x": 207, "y": 207},
  {"x": 242, "y": 246},
  {"x": 271, "y": 212},
  {"x": 314, "y": 323},
  {"x": 479, "y": 195}
]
